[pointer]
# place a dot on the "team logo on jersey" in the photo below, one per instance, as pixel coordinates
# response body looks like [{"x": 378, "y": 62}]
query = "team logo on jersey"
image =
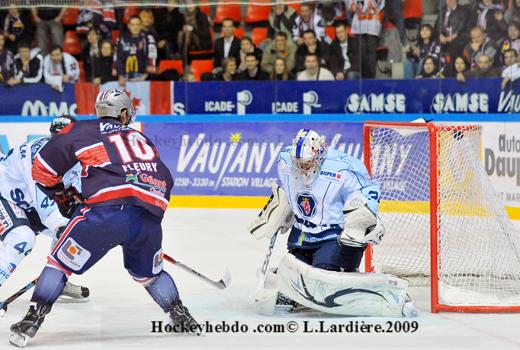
[
  {"x": 157, "y": 262},
  {"x": 306, "y": 204},
  {"x": 330, "y": 175},
  {"x": 73, "y": 255},
  {"x": 11, "y": 267}
]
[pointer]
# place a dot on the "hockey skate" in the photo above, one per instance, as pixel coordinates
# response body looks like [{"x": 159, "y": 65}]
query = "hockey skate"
[
  {"x": 73, "y": 293},
  {"x": 24, "y": 330},
  {"x": 181, "y": 319},
  {"x": 409, "y": 309}
]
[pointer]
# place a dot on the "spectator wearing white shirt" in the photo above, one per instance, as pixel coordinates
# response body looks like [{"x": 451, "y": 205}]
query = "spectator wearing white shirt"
[
  {"x": 308, "y": 19},
  {"x": 313, "y": 71},
  {"x": 511, "y": 70},
  {"x": 60, "y": 68},
  {"x": 366, "y": 25}
]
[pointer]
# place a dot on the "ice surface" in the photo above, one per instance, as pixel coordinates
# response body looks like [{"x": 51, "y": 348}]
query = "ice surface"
[{"x": 120, "y": 312}]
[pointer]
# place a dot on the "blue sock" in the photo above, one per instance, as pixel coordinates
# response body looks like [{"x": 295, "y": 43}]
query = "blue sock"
[
  {"x": 163, "y": 291},
  {"x": 49, "y": 286}
]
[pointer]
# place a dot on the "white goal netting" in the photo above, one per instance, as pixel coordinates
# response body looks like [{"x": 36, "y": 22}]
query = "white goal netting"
[{"x": 477, "y": 247}]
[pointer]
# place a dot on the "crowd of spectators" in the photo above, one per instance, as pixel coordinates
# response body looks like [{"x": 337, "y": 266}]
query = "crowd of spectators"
[{"x": 333, "y": 40}]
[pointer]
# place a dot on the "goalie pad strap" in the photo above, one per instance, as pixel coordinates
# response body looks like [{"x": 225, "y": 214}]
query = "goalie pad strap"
[{"x": 352, "y": 294}]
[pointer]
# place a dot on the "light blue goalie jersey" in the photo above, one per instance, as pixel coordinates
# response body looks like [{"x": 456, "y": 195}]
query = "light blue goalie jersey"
[
  {"x": 318, "y": 208},
  {"x": 18, "y": 186}
]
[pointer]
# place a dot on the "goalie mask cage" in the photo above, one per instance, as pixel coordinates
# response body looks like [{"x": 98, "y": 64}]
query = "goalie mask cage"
[{"x": 445, "y": 225}]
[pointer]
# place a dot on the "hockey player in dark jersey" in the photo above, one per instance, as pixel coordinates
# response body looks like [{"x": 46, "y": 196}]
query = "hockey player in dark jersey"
[{"x": 126, "y": 189}]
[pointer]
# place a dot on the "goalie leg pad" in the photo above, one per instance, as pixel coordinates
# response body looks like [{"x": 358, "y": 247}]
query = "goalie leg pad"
[
  {"x": 352, "y": 294},
  {"x": 277, "y": 214}
]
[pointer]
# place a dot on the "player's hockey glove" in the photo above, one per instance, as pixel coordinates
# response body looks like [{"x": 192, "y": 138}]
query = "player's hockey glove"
[{"x": 67, "y": 200}]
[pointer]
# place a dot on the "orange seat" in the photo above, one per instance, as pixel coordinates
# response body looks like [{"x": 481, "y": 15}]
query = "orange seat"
[
  {"x": 115, "y": 35},
  {"x": 412, "y": 9},
  {"x": 171, "y": 64},
  {"x": 129, "y": 12},
  {"x": 227, "y": 11},
  {"x": 205, "y": 7},
  {"x": 201, "y": 66},
  {"x": 258, "y": 35},
  {"x": 257, "y": 13},
  {"x": 239, "y": 32},
  {"x": 331, "y": 32},
  {"x": 70, "y": 17},
  {"x": 71, "y": 43},
  {"x": 295, "y": 6}
]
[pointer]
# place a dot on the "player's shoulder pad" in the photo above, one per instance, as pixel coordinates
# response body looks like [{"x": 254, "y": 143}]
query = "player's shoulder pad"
[{"x": 335, "y": 164}]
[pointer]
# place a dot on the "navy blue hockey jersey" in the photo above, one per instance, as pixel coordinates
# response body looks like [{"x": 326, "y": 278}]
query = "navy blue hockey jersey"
[{"x": 119, "y": 165}]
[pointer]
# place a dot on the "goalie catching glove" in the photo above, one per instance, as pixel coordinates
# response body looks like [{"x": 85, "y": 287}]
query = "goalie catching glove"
[
  {"x": 361, "y": 225},
  {"x": 276, "y": 215}
]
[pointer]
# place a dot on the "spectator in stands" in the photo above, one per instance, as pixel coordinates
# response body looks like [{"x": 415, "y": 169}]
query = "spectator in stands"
[
  {"x": 28, "y": 66},
  {"x": 60, "y": 68},
  {"x": 313, "y": 71},
  {"x": 430, "y": 68},
  {"x": 147, "y": 23},
  {"x": 195, "y": 34},
  {"x": 136, "y": 53},
  {"x": 366, "y": 25},
  {"x": 90, "y": 53},
  {"x": 451, "y": 28},
  {"x": 485, "y": 68},
  {"x": 6, "y": 61},
  {"x": 311, "y": 45},
  {"x": 426, "y": 46},
  {"x": 512, "y": 12},
  {"x": 169, "y": 22},
  {"x": 281, "y": 47},
  {"x": 281, "y": 70},
  {"x": 394, "y": 13},
  {"x": 329, "y": 10},
  {"x": 246, "y": 47},
  {"x": 308, "y": 19},
  {"x": 103, "y": 65},
  {"x": 228, "y": 45},
  {"x": 458, "y": 69},
  {"x": 252, "y": 71},
  {"x": 98, "y": 16},
  {"x": 48, "y": 25},
  {"x": 229, "y": 70},
  {"x": 342, "y": 53},
  {"x": 479, "y": 45},
  {"x": 281, "y": 19},
  {"x": 511, "y": 70},
  {"x": 17, "y": 28},
  {"x": 490, "y": 17},
  {"x": 512, "y": 41}
]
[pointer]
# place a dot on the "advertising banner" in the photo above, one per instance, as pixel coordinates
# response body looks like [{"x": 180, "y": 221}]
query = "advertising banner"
[
  {"x": 37, "y": 100},
  {"x": 236, "y": 159}
]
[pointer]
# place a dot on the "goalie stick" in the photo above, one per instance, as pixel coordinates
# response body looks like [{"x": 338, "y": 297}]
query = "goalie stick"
[
  {"x": 265, "y": 265},
  {"x": 6, "y": 302},
  {"x": 221, "y": 284}
]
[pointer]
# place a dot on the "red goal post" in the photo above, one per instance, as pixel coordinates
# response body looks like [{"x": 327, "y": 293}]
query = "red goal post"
[{"x": 445, "y": 225}]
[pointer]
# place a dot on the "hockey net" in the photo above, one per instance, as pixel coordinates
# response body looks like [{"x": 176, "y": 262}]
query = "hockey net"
[{"x": 445, "y": 224}]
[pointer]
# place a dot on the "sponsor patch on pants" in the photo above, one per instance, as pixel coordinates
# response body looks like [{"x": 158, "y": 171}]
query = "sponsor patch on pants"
[
  {"x": 73, "y": 255},
  {"x": 157, "y": 262}
]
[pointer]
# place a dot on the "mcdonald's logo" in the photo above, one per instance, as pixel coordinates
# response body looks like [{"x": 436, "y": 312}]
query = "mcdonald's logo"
[{"x": 132, "y": 64}]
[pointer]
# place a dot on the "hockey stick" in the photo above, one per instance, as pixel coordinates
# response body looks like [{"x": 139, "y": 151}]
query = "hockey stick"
[
  {"x": 265, "y": 265},
  {"x": 221, "y": 284},
  {"x": 3, "y": 304}
]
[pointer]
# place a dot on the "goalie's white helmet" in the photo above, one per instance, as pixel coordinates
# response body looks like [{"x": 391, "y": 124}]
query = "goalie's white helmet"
[
  {"x": 112, "y": 102},
  {"x": 308, "y": 150}
]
